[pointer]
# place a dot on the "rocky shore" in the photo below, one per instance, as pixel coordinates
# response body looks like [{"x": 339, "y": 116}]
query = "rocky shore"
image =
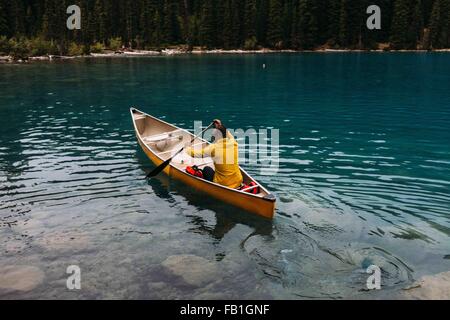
[{"x": 196, "y": 51}]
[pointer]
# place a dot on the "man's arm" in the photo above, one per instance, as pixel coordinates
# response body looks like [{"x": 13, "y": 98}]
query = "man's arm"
[{"x": 201, "y": 153}]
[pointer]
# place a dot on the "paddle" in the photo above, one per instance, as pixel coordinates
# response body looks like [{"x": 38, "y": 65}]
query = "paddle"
[{"x": 162, "y": 166}]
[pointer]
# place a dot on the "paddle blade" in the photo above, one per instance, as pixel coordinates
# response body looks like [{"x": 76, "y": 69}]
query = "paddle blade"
[{"x": 159, "y": 169}]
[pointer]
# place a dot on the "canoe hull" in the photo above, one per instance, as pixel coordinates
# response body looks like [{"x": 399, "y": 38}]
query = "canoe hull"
[{"x": 259, "y": 205}]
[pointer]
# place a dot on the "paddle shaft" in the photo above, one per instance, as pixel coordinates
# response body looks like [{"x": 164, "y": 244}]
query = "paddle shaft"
[{"x": 162, "y": 166}]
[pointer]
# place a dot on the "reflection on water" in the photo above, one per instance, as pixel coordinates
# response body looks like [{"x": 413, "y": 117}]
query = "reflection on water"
[{"x": 363, "y": 177}]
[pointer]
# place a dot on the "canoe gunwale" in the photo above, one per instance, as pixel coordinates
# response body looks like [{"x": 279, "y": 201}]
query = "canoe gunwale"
[{"x": 269, "y": 197}]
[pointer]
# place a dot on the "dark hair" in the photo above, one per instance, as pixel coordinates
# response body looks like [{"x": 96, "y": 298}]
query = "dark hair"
[{"x": 222, "y": 130}]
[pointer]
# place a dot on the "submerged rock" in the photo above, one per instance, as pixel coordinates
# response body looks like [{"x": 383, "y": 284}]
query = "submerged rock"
[
  {"x": 434, "y": 287},
  {"x": 194, "y": 270},
  {"x": 15, "y": 246},
  {"x": 30, "y": 227},
  {"x": 20, "y": 278},
  {"x": 67, "y": 240}
]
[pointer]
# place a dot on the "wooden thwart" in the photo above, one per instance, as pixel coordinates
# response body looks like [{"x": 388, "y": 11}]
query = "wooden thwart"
[
  {"x": 174, "y": 149},
  {"x": 161, "y": 136}
]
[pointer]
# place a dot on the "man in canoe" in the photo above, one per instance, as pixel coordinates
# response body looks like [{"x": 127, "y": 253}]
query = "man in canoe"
[{"x": 225, "y": 154}]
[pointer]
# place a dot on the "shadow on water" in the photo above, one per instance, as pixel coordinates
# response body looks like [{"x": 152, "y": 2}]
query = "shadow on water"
[{"x": 227, "y": 216}]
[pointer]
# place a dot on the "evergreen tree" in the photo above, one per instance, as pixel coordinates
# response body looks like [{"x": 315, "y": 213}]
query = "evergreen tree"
[
  {"x": 99, "y": 22},
  {"x": 295, "y": 35},
  {"x": 145, "y": 22},
  {"x": 18, "y": 11},
  {"x": 227, "y": 24},
  {"x": 157, "y": 36},
  {"x": 356, "y": 24},
  {"x": 187, "y": 32},
  {"x": 4, "y": 30},
  {"x": 262, "y": 18},
  {"x": 343, "y": 28},
  {"x": 444, "y": 36},
  {"x": 49, "y": 25},
  {"x": 333, "y": 20},
  {"x": 322, "y": 17},
  {"x": 250, "y": 19},
  {"x": 60, "y": 36},
  {"x": 287, "y": 19},
  {"x": 131, "y": 23},
  {"x": 207, "y": 30},
  {"x": 275, "y": 27},
  {"x": 306, "y": 25},
  {"x": 30, "y": 21},
  {"x": 400, "y": 25},
  {"x": 170, "y": 28},
  {"x": 237, "y": 25},
  {"x": 109, "y": 22},
  {"x": 435, "y": 27},
  {"x": 448, "y": 24},
  {"x": 86, "y": 25},
  {"x": 417, "y": 24}
]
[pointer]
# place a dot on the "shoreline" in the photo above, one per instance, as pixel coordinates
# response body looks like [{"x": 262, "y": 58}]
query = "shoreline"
[{"x": 176, "y": 52}]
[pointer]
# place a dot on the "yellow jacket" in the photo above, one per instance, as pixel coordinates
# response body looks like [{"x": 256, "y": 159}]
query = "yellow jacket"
[{"x": 224, "y": 153}]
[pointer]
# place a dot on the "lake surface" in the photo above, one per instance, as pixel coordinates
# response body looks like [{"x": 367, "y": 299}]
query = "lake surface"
[{"x": 364, "y": 176}]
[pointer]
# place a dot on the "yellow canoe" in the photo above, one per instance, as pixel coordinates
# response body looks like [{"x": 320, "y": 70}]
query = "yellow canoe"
[{"x": 160, "y": 140}]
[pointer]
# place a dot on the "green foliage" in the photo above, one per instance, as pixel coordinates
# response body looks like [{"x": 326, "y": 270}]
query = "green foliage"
[
  {"x": 18, "y": 48},
  {"x": 75, "y": 49},
  {"x": 40, "y": 47},
  {"x": 97, "y": 48},
  {"x": 115, "y": 43},
  {"x": 251, "y": 43},
  {"x": 5, "y": 46}
]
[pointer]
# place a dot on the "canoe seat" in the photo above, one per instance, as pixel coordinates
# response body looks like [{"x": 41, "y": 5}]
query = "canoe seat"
[
  {"x": 139, "y": 117},
  {"x": 163, "y": 136},
  {"x": 177, "y": 147}
]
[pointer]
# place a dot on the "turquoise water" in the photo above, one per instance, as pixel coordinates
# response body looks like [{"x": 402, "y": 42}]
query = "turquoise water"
[{"x": 364, "y": 175}]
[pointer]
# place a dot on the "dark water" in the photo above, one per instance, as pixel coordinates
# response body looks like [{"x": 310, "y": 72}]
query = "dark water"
[{"x": 364, "y": 175}]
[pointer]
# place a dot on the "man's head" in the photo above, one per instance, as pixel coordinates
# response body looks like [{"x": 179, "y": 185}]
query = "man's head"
[{"x": 220, "y": 131}]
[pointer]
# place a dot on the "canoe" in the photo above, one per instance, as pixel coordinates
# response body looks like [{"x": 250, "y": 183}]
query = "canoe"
[{"x": 160, "y": 140}]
